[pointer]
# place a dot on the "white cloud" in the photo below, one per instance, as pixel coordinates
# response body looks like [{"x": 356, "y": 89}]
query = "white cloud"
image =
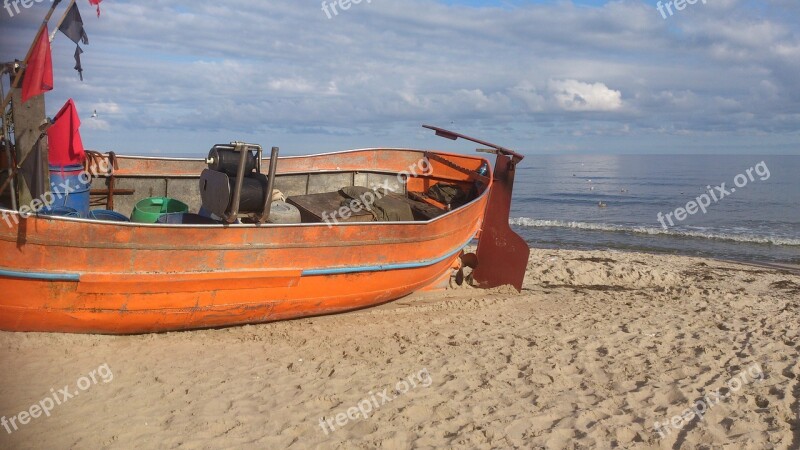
[
  {"x": 294, "y": 85},
  {"x": 573, "y": 95},
  {"x": 528, "y": 93}
]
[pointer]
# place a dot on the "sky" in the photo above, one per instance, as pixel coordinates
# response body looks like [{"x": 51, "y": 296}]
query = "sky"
[{"x": 543, "y": 77}]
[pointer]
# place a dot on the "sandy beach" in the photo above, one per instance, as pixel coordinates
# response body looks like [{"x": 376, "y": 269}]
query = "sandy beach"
[{"x": 600, "y": 350}]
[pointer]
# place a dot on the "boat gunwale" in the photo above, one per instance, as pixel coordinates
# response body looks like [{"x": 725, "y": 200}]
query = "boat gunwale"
[
  {"x": 313, "y": 155},
  {"x": 293, "y": 173},
  {"x": 125, "y": 174}
]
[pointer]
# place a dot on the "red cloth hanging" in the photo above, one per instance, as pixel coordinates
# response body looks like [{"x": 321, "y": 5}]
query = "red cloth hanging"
[
  {"x": 97, "y": 3},
  {"x": 39, "y": 72},
  {"x": 64, "y": 139}
]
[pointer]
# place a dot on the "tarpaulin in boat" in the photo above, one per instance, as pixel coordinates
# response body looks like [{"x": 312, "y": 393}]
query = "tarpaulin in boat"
[
  {"x": 447, "y": 194},
  {"x": 382, "y": 205}
]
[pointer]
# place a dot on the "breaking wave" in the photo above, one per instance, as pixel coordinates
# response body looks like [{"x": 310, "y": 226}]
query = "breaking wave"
[{"x": 747, "y": 238}]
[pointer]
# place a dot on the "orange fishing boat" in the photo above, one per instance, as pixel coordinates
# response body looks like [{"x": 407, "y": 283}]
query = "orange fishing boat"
[
  {"x": 273, "y": 238},
  {"x": 64, "y": 274}
]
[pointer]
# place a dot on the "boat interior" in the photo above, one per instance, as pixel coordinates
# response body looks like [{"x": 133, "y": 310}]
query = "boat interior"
[{"x": 353, "y": 186}]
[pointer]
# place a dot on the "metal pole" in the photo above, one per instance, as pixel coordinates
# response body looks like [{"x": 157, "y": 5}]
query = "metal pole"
[
  {"x": 237, "y": 193},
  {"x": 273, "y": 167},
  {"x": 18, "y": 76}
]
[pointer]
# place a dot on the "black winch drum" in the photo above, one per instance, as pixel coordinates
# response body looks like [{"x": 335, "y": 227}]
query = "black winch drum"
[
  {"x": 226, "y": 160},
  {"x": 254, "y": 191},
  {"x": 217, "y": 189}
]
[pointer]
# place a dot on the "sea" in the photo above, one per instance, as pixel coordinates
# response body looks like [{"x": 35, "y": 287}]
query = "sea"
[{"x": 618, "y": 203}]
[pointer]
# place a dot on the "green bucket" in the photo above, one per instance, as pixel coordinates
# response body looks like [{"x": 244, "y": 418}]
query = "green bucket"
[{"x": 150, "y": 209}]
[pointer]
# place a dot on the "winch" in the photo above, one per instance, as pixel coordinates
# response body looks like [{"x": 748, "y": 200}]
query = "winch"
[{"x": 233, "y": 184}]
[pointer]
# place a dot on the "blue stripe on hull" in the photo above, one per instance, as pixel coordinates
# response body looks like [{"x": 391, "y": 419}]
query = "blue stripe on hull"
[
  {"x": 45, "y": 276},
  {"x": 384, "y": 267},
  {"x": 42, "y": 276}
]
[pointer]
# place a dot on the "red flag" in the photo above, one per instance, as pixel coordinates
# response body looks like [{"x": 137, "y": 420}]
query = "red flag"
[
  {"x": 97, "y": 3},
  {"x": 39, "y": 72},
  {"x": 66, "y": 147}
]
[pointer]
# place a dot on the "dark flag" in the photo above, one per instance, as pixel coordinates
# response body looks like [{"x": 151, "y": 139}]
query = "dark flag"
[
  {"x": 39, "y": 72},
  {"x": 78, "y": 67},
  {"x": 72, "y": 27},
  {"x": 32, "y": 169}
]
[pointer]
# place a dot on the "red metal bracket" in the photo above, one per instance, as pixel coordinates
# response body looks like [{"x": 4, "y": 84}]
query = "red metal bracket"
[{"x": 502, "y": 255}]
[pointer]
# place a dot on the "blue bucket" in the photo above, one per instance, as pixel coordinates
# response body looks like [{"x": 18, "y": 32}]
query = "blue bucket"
[
  {"x": 69, "y": 189},
  {"x": 107, "y": 215},
  {"x": 60, "y": 211}
]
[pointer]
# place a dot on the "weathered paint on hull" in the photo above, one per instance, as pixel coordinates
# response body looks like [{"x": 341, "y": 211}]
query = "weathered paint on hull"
[
  {"x": 317, "y": 295},
  {"x": 122, "y": 279}
]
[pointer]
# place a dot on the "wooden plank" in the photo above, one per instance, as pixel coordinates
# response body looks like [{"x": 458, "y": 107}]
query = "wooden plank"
[
  {"x": 27, "y": 119},
  {"x": 116, "y": 191},
  {"x": 316, "y": 207}
]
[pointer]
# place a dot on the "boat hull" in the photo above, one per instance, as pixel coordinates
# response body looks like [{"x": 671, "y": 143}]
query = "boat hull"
[{"x": 72, "y": 275}]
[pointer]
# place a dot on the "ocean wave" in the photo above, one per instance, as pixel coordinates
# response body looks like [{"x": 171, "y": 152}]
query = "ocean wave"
[{"x": 747, "y": 238}]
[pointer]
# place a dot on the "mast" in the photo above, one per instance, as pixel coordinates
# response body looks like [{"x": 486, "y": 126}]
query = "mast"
[
  {"x": 26, "y": 122},
  {"x": 5, "y": 143}
]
